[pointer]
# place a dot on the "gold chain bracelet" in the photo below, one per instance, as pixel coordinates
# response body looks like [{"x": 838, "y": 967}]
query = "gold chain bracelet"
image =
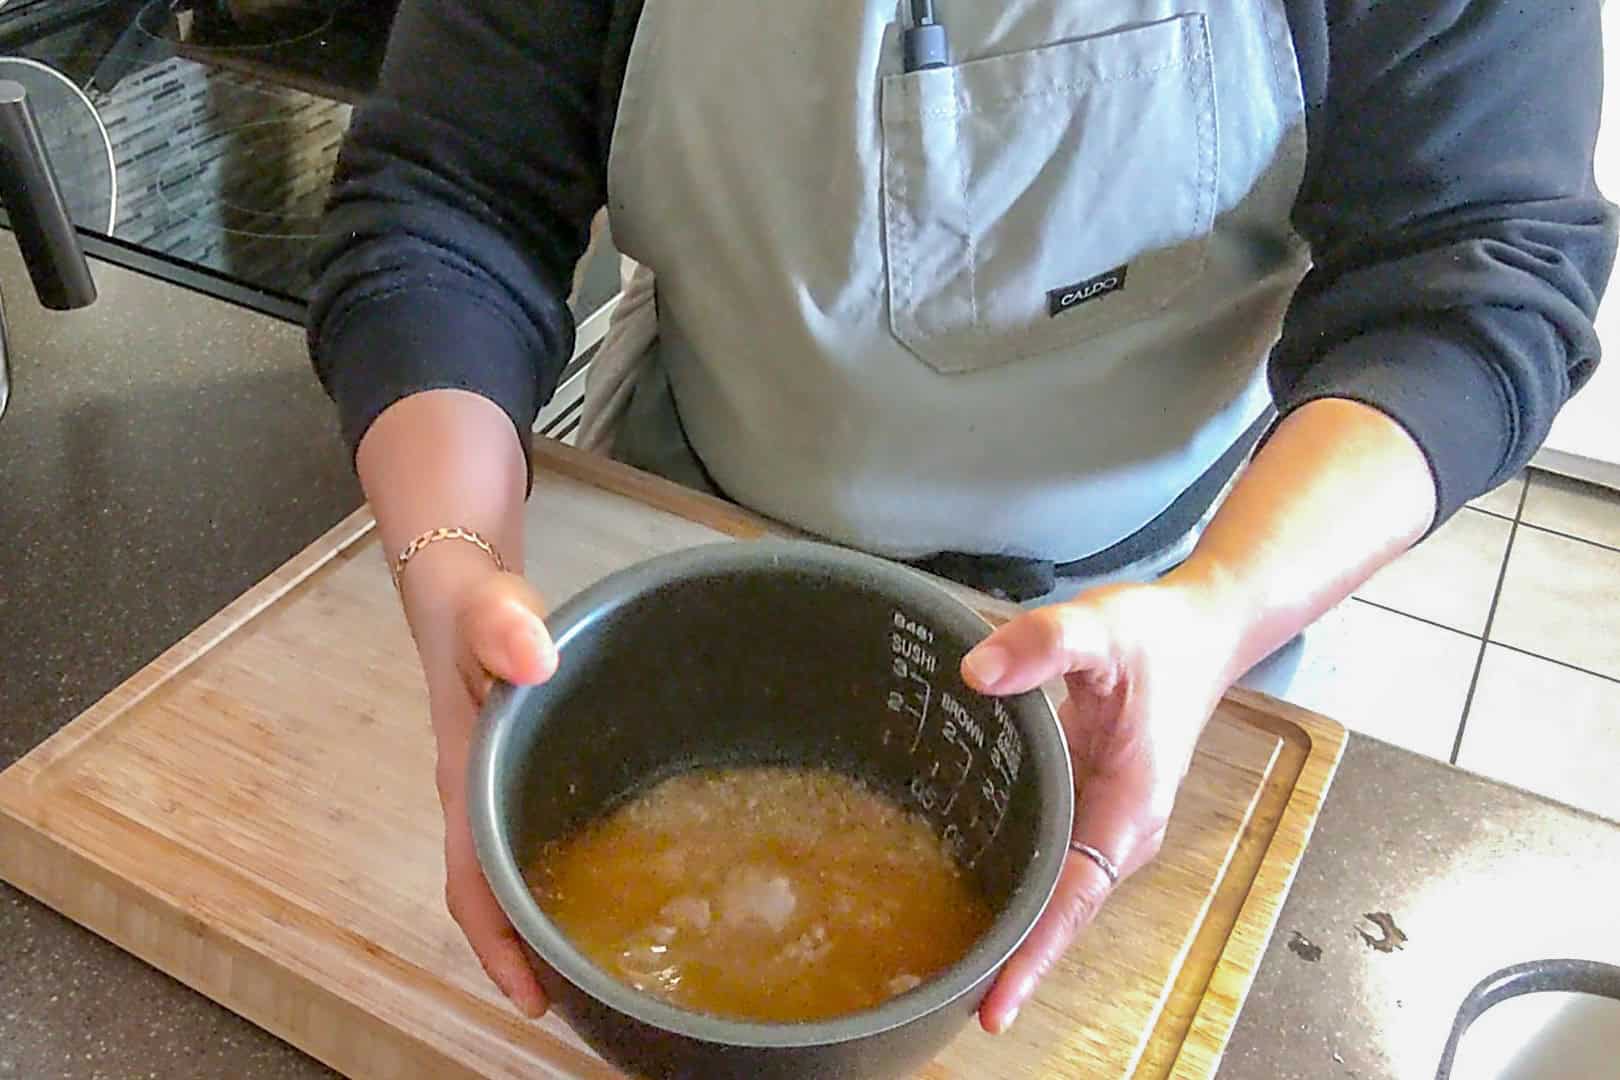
[{"x": 433, "y": 536}]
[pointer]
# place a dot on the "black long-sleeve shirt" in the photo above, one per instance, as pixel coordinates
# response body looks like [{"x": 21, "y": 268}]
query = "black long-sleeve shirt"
[{"x": 1459, "y": 243}]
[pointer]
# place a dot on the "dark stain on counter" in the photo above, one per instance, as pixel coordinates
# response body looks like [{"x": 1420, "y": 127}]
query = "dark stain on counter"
[
  {"x": 1389, "y": 937},
  {"x": 1304, "y": 948}
]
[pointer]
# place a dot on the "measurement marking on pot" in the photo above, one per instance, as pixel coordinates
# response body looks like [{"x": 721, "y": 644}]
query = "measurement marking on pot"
[
  {"x": 958, "y": 712},
  {"x": 957, "y": 729},
  {"x": 922, "y": 718},
  {"x": 916, "y": 702},
  {"x": 913, "y": 651},
  {"x": 999, "y": 800},
  {"x": 938, "y": 783},
  {"x": 913, "y": 627}
]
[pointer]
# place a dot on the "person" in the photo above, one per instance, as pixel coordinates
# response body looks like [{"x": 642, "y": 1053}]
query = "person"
[{"x": 1225, "y": 305}]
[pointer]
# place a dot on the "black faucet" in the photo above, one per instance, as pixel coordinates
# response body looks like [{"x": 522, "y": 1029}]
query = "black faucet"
[{"x": 33, "y": 200}]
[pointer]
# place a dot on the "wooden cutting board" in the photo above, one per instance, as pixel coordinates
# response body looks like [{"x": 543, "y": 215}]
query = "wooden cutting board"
[{"x": 254, "y": 813}]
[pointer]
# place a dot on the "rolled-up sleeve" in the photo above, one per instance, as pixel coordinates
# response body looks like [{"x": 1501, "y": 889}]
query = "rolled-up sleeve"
[
  {"x": 462, "y": 200},
  {"x": 1459, "y": 243}
]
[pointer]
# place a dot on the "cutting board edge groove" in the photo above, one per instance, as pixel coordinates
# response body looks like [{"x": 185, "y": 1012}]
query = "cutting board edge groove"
[
  {"x": 136, "y": 906},
  {"x": 1232, "y": 975},
  {"x": 35, "y": 767}
]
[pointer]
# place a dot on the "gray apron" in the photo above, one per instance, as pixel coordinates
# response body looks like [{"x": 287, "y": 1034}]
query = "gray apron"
[{"x": 1013, "y": 307}]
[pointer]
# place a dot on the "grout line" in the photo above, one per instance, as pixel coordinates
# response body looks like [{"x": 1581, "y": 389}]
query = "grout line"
[
  {"x": 1415, "y": 618},
  {"x": 1524, "y": 478},
  {"x": 1490, "y": 619},
  {"x": 1519, "y": 517},
  {"x": 1560, "y": 663},
  {"x": 1571, "y": 536}
]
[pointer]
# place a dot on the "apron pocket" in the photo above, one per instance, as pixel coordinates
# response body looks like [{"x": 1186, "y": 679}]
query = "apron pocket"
[{"x": 1040, "y": 198}]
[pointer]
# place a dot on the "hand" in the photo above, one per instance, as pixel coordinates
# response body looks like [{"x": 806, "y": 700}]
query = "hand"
[
  {"x": 473, "y": 625},
  {"x": 1144, "y": 667}
]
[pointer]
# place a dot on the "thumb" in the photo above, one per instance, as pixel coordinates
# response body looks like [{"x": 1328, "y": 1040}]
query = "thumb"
[
  {"x": 502, "y": 629},
  {"x": 1037, "y": 647}
]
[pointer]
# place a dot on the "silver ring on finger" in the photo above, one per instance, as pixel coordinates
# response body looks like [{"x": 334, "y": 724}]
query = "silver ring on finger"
[{"x": 1104, "y": 863}]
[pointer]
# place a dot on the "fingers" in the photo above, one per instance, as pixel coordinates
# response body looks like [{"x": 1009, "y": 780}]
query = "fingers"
[
  {"x": 1081, "y": 890},
  {"x": 503, "y": 636},
  {"x": 1121, "y": 811},
  {"x": 497, "y": 945},
  {"x": 497, "y": 633},
  {"x": 473, "y": 906},
  {"x": 1039, "y": 646}
]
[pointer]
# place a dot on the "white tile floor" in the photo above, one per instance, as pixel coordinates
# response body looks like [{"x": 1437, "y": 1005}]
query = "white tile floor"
[{"x": 1495, "y": 644}]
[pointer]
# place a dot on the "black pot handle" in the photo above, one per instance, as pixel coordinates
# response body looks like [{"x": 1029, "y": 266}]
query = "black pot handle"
[{"x": 1533, "y": 977}]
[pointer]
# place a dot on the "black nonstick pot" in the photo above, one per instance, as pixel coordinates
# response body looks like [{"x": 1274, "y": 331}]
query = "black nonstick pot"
[{"x": 781, "y": 653}]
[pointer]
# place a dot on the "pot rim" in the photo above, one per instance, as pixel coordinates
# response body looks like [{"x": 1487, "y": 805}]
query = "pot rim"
[{"x": 1048, "y": 755}]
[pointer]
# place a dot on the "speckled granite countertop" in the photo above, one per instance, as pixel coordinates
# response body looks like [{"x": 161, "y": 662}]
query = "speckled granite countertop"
[
  {"x": 162, "y": 451},
  {"x": 165, "y": 451},
  {"x": 1473, "y": 875}
]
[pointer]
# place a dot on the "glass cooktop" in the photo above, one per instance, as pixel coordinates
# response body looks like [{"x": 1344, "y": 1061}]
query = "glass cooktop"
[{"x": 198, "y": 137}]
